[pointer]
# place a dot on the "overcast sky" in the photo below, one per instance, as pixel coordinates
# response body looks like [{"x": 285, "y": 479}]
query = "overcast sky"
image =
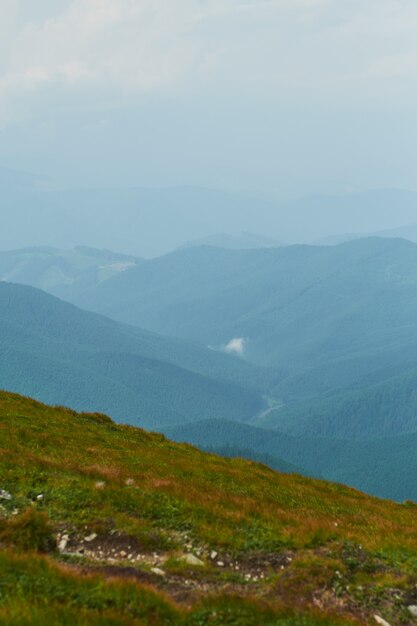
[{"x": 272, "y": 95}]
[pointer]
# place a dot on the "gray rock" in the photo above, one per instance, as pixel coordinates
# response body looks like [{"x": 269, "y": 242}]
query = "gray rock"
[{"x": 412, "y": 609}]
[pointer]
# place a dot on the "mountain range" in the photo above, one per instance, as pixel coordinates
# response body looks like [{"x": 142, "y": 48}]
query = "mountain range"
[
  {"x": 149, "y": 222},
  {"x": 337, "y": 325}
]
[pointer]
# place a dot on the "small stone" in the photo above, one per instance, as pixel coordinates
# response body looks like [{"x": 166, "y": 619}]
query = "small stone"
[
  {"x": 63, "y": 542},
  {"x": 40, "y": 497},
  {"x": 5, "y": 495},
  {"x": 123, "y": 554},
  {"x": 90, "y": 537},
  {"x": 158, "y": 571},
  {"x": 213, "y": 555},
  {"x": 190, "y": 559},
  {"x": 100, "y": 484},
  {"x": 381, "y": 621},
  {"x": 220, "y": 563},
  {"x": 412, "y": 609}
]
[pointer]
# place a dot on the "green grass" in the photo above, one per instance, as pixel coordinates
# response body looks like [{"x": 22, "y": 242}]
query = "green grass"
[{"x": 82, "y": 473}]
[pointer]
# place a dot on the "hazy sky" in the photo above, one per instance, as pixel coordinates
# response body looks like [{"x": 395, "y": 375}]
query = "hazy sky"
[{"x": 274, "y": 95}]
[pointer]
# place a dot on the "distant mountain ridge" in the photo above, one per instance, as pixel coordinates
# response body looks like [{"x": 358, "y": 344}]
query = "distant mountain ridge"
[
  {"x": 148, "y": 222},
  {"x": 241, "y": 241}
]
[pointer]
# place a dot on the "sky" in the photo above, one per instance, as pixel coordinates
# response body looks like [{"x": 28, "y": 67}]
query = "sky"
[{"x": 273, "y": 96}]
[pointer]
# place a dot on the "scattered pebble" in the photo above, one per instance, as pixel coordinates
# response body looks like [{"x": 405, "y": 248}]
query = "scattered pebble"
[
  {"x": 5, "y": 495},
  {"x": 381, "y": 621},
  {"x": 90, "y": 537}
]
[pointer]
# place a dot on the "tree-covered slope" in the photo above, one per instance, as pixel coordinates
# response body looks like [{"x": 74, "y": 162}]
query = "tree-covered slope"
[
  {"x": 379, "y": 405},
  {"x": 384, "y": 467},
  {"x": 140, "y": 531},
  {"x": 63, "y": 355}
]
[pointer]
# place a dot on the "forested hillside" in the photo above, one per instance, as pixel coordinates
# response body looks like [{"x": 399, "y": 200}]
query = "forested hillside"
[
  {"x": 63, "y": 355},
  {"x": 378, "y": 405}
]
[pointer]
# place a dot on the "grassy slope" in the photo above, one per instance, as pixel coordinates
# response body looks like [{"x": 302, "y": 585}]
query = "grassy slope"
[
  {"x": 60, "y": 354},
  {"x": 300, "y": 544}
]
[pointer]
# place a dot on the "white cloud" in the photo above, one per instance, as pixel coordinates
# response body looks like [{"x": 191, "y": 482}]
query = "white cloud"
[{"x": 235, "y": 346}]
